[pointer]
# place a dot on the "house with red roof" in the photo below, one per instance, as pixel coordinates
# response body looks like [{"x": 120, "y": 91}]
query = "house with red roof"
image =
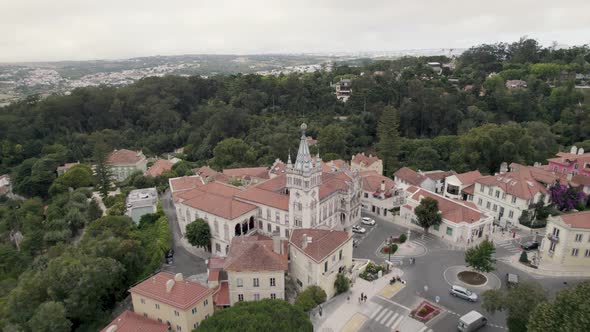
[
  {"x": 172, "y": 300},
  {"x": 462, "y": 222},
  {"x": 567, "y": 241},
  {"x": 160, "y": 166},
  {"x": 362, "y": 163},
  {"x": 61, "y": 170},
  {"x": 380, "y": 194},
  {"x": 123, "y": 163},
  {"x": 460, "y": 186},
  {"x": 573, "y": 163},
  {"x": 317, "y": 256},
  {"x": 506, "y": 195},
  {"x": 129, "y": 321}
]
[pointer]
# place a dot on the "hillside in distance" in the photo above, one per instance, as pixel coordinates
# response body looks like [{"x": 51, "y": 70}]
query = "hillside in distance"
[{"x": 18, "y": 80}]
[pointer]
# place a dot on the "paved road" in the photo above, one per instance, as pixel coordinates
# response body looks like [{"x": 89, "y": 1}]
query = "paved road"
[
  {"x": 184, "y": 262},
  {"x": 428, "y": 271}
]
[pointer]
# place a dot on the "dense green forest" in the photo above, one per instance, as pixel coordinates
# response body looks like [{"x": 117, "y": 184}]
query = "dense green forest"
[{"x": 73, "y": 265}]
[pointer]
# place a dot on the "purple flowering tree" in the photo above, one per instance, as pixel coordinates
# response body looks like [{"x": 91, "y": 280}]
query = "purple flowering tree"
[{"x": 565, "y": 198}]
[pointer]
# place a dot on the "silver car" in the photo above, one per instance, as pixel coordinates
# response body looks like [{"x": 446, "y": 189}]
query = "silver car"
[{"x": 463, "y": 293}]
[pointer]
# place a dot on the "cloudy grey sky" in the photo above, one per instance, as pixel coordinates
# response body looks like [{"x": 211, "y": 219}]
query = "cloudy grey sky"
[{"x": 35, "y": 30}]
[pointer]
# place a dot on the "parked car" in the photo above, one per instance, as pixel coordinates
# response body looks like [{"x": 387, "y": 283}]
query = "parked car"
[
  {"x": 511, "y": 279},
  {"x": 169, "y": 260},
  {"x": 368, "y": 221},
  {"x": 463, "y": 293},
  {"x": 530, "y": 245},
  {"x": 471, "y": 321},
  {"x": 358, "y": 229},
  {"x": 170, "y": 253}
]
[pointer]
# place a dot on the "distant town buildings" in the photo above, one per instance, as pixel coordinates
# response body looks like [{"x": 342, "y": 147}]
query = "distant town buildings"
[
  {"x": 140, "y": 202},
  {"x": 515, "y": 84},
  {"x": 436, "y": 67},
  {"x": 567, "y": 240},
  {"x": 124, "y": 162}
]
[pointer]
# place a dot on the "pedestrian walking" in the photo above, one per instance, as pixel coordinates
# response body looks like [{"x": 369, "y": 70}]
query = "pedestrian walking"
[
  {"x": 365, "y": 298},
  {"x": 348, "y": 299},
  {"x": 362, "y": 294}
]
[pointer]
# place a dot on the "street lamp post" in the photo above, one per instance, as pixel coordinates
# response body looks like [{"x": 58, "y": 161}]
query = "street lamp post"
[{"x": 389, "y": 260}]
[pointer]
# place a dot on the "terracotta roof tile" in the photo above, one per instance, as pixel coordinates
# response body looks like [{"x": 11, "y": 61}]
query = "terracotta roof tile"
[
  {"x": 216, "y": 263},
  {"x": 580, "y": 180},
  {"x": 468, "y": 177},
  {"x": 366, "y": 160},
  {"x": 438, "y": 175},
  {"x": 67, "y": 166},
  {"x": 205, "y": 171},
  {"x": 265, "y": 197},
  {"x": 519, "y": 183},
  {"x": 452, "y": 210},
  {"x": 372, "y": 182},
  {"x": 129, "y": 321},
  {"x": 183, "y": 295},
  {"x": 255, "y": 253},
  {"x": 225, "y": 207},
  {"x": 333, "y": 182},
  {"x": 323, "y": 242},
  {"x": 577, "y": 219},
  {"x": 470, "y": 189},
  {"x": 185, "y": 183},
  {"x": 256, "y": 172},
  {"x": 159, "y": 167},
  {"x": 538, "y": 173},
  {"x": 410, "y": 176},
  {"x": 125, "y": 157},
  {"x": 412, "y": 189}
]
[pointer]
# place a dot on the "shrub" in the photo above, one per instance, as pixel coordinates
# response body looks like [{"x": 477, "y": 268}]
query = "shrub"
[
  {"x": 342, "y": 283},
  {"x": 310, "y": 297},
  {"x": 403, "y": 238},
  {"x": 523, "y": 257}
]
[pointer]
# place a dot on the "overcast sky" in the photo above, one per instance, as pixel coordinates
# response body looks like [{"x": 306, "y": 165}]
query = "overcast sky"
[{"x": 36, "y": 30}]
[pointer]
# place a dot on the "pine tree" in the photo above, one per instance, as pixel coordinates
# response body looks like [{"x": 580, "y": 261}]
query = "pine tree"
[
  {"x": 102, "y": 170},
  {"x": 389, "y": 140}
]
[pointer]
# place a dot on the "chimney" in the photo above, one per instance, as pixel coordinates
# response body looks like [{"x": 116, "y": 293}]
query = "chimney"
[
  {"x": 382, "y": 185},
  {"x": 304, "y": 241},
  {"x": 112, "y": 328},
  {"x": 370, "y": 155},
  {"x": 574, "y": 150},
  {"x": 178, "y": 277},
  {"x": 503, "y": 167},
  {"x": 580, "y": 151},
  {"x": 277, "y": 244},
  {"x": 169, "y": 285}
]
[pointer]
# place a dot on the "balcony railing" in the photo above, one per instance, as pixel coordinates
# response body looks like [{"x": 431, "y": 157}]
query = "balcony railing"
[{"x": 553, "y": 238}]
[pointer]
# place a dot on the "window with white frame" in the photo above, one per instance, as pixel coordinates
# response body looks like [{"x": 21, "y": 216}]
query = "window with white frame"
[
  {"x": 240, "y": 282},
  {"x": 497, "y": 193},
  {"x": 574, "y": 251},
  {"x": 240, "y": 297},
  {"x": 510, "y": 214},
  {"x": 273, "y": 282},
  {"x": 176, "y": 313},
  {"x": 273, "y": 296},
  {"x": 488, "y": 204},
  {"x": 194, "y": 311},
  {"x": 481, "y": 188},
  {"x": 490, "y": 191},
  {"x": 513, "y": 199},
  {"x": 255, "y": 282},
  {"x": 587, "y": 253},
  {"x": 578, "y": 238}
]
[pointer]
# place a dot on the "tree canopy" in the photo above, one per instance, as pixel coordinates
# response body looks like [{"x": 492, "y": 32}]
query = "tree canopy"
[
  {"x": 198, "y": 233},
  {"x": 427, "y": 213},
  {"x": 569, "y": 311},
  {"x": 480, "y": 257}
]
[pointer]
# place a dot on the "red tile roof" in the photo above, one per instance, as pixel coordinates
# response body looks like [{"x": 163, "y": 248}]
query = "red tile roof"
[
  {"x": 323, "y": 242},
  {"x": 333, "y": 182},
  {"x": 216, "y": 263},
  {"x": 577, "y": 219},
  {"x": 519, "y": 183},
  {"x": 255, "y": 253},
  {"x": 125, "y": 157},
  {"x": 221, "y": 297},
  {"x": 540, "y": 174},
  {"x": 469, "y": 177},
  {"x": 159, "y": 167},
  {"x": 217, "y": 199},
  {"x": 580, "y": 180},
  {"x": 67, "y": 166},
  {"x": 361, "y": 158},
  {"x": 265, "y": 197},
  {"x": 452, "y": 210},
  {"x": 129, "y": 321},
  {"x": 410, "y": 176},
  {"x": 183, "y": 294},
  {"x": 185, "y": 183},
  {"x": 372, "y": 182},
  {"x": 470, "y": 189},
  {"x": 278, "y": 167},
  {"x": 438, "y": 175},
  {"x": 205, "y": 171},
  {"x": 255, "y": 172},
  {"x": 412, "y": 189}
]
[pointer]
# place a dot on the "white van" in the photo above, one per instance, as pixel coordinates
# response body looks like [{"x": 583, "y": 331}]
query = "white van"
[{"x": 471, "y": 321}]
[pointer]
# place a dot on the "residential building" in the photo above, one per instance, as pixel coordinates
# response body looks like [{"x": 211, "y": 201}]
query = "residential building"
[
  {"x": 436, "y": 67},
  {"x": 172, "y": 300},
  {"x": 317, "y": 256},
  {"x": 129, "y": 321},
  {"x": 5, "y": 185},
  {"x": 515, "y": 84},
  {"x": 438, "y": 177},
  {"x": 217, "y": 279},
  {"x": 140, "y": 202},
  {"x": 61, "y": 170},
  {"x": 363, "y": 163},
  {"x": 124, "y": 162},
  {"x": 159, "y": 167},
  {"x": 406, "y": 177},
  {"x": 256, "y": 267},
  {"x": 208, "y": 174},
  {"x": 462, "y": 222},
  {"x": 304, "y": 196},
  {"x": 461, "y": 186},
  {"x": 582, "y": 182},
  {"x": 505, "y": 196},
  {"x": 343, "y": 89},
  {"x": 575, "y": 162},
  {"x": 567, "y": 240},
  {"x": 379, "y": 194},
  {"x": 248, "y": 175}
]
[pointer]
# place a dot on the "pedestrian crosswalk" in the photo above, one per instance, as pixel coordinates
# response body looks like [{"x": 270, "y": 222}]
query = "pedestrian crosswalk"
[
  {"x": 386, "y": 317},
  {"x": 511, "y": 246}
]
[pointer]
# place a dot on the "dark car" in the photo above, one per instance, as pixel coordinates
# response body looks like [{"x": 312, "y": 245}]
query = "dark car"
[
  {"x": 170, "y": 253},
  {"x": 530, "y": 245}
]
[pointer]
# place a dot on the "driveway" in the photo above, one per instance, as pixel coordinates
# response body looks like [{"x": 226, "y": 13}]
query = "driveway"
[{"x": 184, "y": 262}]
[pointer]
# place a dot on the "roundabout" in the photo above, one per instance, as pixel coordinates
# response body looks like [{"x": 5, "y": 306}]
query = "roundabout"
[{"x": 463, "y": 276}]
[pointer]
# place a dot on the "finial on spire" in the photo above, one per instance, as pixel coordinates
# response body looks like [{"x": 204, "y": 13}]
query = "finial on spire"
[
  {"x": 303, "y": 128},
  {"x": 289, "y": 159}
]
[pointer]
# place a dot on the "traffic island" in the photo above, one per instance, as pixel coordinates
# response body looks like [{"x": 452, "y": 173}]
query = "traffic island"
[
  {"x": 425, "y": 311},
  {"x": 472, "y": 278}
]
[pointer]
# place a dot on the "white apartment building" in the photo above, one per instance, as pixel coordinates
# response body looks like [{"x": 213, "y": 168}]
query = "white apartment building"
[
  {"x": 124, "y": 162},
  {"x": 567, "y": 240}
]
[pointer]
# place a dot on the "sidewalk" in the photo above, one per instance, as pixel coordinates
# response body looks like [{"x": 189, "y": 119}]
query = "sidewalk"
[
  {"x": 339, "y": 314},
  {"x": 550, "y": 270}
]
